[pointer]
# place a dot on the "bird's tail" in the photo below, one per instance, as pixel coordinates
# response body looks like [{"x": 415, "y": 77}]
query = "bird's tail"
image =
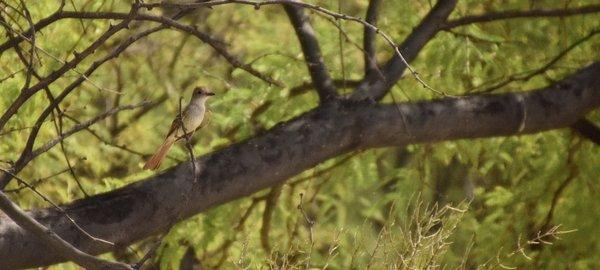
[{"x": 154, "y": 162}]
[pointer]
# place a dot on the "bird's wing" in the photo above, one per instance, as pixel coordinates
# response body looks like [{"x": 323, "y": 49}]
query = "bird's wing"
[
  {"x": 175, "y": 125},
  {"x": 206, "y": 120}
]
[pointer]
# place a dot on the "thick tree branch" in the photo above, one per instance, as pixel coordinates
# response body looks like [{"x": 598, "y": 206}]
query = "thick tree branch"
[
  {"x": 48, "y": 237},
  {"x": 312, "y": 53},
  {"x": 373, "y": 86},
  {"x": 514, "y": 14},
  {"x": 141, "y": 209}
]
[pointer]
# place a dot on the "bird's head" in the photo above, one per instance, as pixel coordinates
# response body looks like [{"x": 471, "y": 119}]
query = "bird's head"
[{"x": 202, "y": 91}]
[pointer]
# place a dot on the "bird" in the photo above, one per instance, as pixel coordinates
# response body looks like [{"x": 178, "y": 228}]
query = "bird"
[{"x": 191, "y": 118}]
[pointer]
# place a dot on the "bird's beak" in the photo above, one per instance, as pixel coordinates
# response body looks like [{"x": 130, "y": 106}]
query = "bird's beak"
[{"x": 210, "y": 93}]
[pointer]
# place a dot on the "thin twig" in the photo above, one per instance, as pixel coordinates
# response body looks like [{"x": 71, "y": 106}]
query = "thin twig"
[
  {"x": 74, "y": 69},
  {"x": 84, "y": 125},
  {"x": 336, "y": 15},
  {"x": 12, "y": 75},
  {"x": 36, "y": 182},
  {"x": 79, "y": 57},
  {"x": 311, "y": 224},
  {"x": 187, "y": 136},
  {"x": 527, "y": 76},
  {"x": 28, "y": 155}
]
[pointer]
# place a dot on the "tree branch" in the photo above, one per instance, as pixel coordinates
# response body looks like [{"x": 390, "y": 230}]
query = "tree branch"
[
  {"x": 84, "y": 125},
  {"x": 312, "y": 53},
  {"x": 374, "y": 87},
  {"x": 136, "y": 211},
  {"x": 172, "y": 22},
  {"x": 25, "y": 94},
  {"x": 525, "y": 76},
  {"x": 515, "y": 14},
  {"x": 369, "y": 36},
  {"x": 305, "y": 86},
  {"x": 336, "y": 15},
  {"x": 588, "y": 130},
  {"x": 49, "y": 238},
  {"x": 70, "y": 65},
  {"x": 28, "y": 154}
]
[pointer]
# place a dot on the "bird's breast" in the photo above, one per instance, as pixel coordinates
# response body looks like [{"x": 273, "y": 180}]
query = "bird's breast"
[{"x": 192, "y": 119}]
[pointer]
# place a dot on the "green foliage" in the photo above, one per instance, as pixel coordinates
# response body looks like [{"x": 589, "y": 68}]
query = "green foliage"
[{"x": 459, "y": 204}]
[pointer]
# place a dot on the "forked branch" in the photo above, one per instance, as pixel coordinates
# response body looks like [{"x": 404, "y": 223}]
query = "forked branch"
[{"x": 312, "y": 53}]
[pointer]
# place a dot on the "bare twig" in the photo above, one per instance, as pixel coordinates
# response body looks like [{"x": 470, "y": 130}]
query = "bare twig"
[
  {"x": 32, "y": 72},
  {"x": 36, "y": 182},
  {"x": 11, "y": 75},
  {"x": 140, "y": 113},
  {"x": 165, "y": 21},
  {"x": 187, "y": 136},
  {"x": 78, "y": 57},
  {"x": 257, "y": 4},
  {"x": 310, "y": 223},
  {"x": 473, "y": 38},
  {"x": 28, "y": 155},
  {"x": 114, "y": 144},
  {"x": 84, "y": 125},
  {"x": 541, "y": 238},
  {"x": 24, "y": 158},
  {"x": 344, "y": 33},
  {"x": 58, "y": 125},
  {"x": 65, "y": 63},
  {"x": 525, "y": 76}
]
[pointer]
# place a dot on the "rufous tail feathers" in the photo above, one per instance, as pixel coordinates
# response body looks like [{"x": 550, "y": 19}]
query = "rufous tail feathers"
[{"x": 154, "y": 162}]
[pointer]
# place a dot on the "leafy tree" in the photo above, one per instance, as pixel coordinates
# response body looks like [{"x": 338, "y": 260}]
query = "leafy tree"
[{"x": 426, "y": 135}]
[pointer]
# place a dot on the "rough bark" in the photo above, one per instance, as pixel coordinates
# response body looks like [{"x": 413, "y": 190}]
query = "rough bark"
[{"x": 136, "y": 211}]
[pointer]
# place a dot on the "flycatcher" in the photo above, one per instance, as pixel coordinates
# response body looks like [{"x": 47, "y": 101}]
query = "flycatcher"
[{"x": 191, "y": 118}]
